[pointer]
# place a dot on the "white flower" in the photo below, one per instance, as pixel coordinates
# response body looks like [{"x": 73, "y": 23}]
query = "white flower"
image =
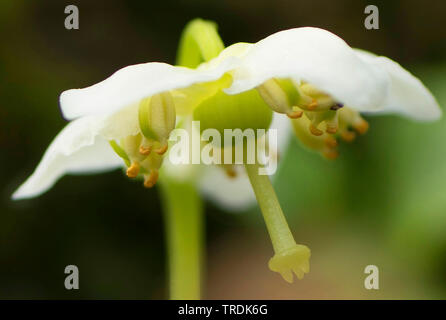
[
  {"x": 308, "y": 74},
  {"x": 324, "y": 72},
  {"x": 359, "y": 79},
  {"x": 322, "y": 84}
]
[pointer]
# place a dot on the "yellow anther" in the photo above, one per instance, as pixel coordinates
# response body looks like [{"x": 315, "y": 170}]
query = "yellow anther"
[
  {"x": 151, "y": 179},
  {"x": 330, "y": 154},
  {"x": 136, "y": 152},
  {"x": 313, "y": 105},
  {"x": 295, "y": 114},
  {"x": 145, "y": 151},
  {"x": 348, "y": 136},
  {"x": 361, "y": 126},
  {"x": 315, "y": 131},
  {"x": 274, "y": 96},
  {"x": 133, "y": 170},
  {"x": 331, "y": 142},
  {"x": 161, "y": 150},
  {"x": 332, "y": 122},
  {"x": 351, "y": 118}
]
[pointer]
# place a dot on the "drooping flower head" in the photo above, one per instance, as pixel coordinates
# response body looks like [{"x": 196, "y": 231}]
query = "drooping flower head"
[{"x": 307, "y": 75}]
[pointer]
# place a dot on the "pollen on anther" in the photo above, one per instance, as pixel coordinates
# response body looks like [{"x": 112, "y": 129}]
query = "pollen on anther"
[
  {"x": 133, "y": 170},
  {"x": 315, "y": 131},
  {"x": 331, "y": 142},
  {"x": 332, "y": 130},
  {"x": 361, "y": 126},
  {"x": 162, "y": 150},
  {"x": 331, "y": 154},
  {"x": 231, "y": 173},
  {"x": 295, "y": 114},
  {"x": 145, "y": 151},
  {"x": 151, "y": 180},
  {"x": 348, "y": 136}
]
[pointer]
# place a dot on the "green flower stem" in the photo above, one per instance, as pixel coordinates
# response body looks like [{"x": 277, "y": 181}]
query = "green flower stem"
[
  {"x": 199, "y": 42},
  {"x": 184, "y": 216},
  {"x": 277, "y": 226}
]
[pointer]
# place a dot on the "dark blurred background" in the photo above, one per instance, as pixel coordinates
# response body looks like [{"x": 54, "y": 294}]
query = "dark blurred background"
[{"x": 382, "y": 202}]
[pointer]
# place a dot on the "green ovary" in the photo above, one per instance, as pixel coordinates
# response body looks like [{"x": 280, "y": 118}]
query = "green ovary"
[{"x": 241, "y": 111}]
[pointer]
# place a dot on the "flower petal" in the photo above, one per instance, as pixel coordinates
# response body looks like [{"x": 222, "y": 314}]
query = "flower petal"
[
  {"x": 407, "y": 94},
  {"x": 282, "y": 124},
  {"x": 130, "y": 84},
  {"x": 315, "y": 56},
  {"x": 79, "y": 148}
]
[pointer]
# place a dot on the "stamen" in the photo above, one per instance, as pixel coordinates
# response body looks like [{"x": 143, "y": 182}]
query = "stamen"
[
  {"x": 352, "y": 118},
  {"x": 361, "y": 126},
  {"x": 313, "y": 105},
  {"x": 331, "y": 129},
  {"x": 348, "y": 136},
  {"x": 310, "y": 90},
  {"x": 315, "y": 131},
  {"x": 295, "y": 114},
  {"x": 151, "y": 180},
  {"x": 325, "y": 143},
  {"x": 330, "y": 154},
  {"x": 156, "y": 116},
  {"x": 230, "y": 172},
  {"x": 139, "y": 158},
  {"x": 331, "y": 142},
  {"x": 145, "y": 151},
  {"x": 162, "y": 150},
  {"x": 133, "y": 170},
  {"x": 274, "y": 96},
  {"x": 332, "y": 121}
]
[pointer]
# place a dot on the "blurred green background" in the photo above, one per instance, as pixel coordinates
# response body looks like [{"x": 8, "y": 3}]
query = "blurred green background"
[{"x": 382, "y": 202}]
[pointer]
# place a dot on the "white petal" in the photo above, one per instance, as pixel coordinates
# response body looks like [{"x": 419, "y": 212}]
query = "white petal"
[
  {"x": 407, "y": 94},
  {"x": 236, "y": 194},
  {"x": 282, "y": 124},
  {"x": 132, "y": 83},
  {"x": 78, "y": 148},
  {"x": 315, "y": 56}
]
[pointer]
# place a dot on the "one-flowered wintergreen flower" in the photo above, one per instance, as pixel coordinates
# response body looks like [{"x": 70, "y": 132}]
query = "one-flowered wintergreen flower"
[
  {"x": 126, "y": 120},
  {"x": 307, "y": 75},
  {"x": 322, "y": 85}
]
